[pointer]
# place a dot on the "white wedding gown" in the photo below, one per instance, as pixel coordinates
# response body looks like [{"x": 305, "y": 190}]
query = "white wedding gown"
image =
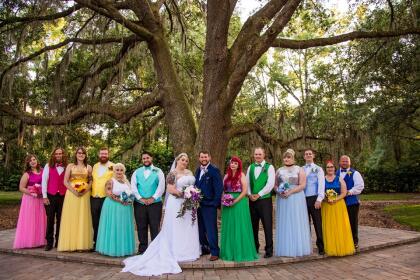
[{"x": 176, "y": 242}]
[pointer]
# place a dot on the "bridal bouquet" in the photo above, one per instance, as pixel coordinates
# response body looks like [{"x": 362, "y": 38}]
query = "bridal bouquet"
[
  {"x": 331, "y": 195},
  {"x": 227, "y": 200},
  {"x": 80, "y": 187},
  {"x": 283, "y": 187},
  {"x": 127, "y": 196},
  {"x": 192, "y": 197},
  {"x": 35, "y": 190}
]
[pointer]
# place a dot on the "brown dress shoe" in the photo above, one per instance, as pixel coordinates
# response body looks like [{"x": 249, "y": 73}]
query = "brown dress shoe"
[{"x": 213, "y": 258}]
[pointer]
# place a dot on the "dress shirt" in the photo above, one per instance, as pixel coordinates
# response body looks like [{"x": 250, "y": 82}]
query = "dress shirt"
[
  {"x": 46, "y": 175},
  {"x": 270, "y": 181},
  {"x": 160, "y": 189}
]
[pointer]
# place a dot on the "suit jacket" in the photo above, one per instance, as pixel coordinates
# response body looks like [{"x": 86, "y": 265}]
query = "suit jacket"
[{"x": 211, "y": 186}]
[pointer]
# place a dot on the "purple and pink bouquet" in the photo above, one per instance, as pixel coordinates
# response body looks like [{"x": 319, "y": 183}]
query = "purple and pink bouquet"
[
  {"x": 35, "y": 190},
  {"x": 192, "y": 197},
  {"x": 227, "y": 200}
]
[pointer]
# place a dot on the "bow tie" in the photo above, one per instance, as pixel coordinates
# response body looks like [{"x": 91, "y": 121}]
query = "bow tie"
[
  {"x": 308, "y": 165},
  {"x": 59, "y": 164},
  {"x": 343, "y": 170},
  {"x": 258, "y": 164},
  {"x": 148, "y": 167},
  {"x": 203, "y": 167}
]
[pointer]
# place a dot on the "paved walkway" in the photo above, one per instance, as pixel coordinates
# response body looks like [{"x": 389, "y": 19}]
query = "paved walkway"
[
  {"x": 398, "y": 262},
  {"x": 371, "y": 238}
]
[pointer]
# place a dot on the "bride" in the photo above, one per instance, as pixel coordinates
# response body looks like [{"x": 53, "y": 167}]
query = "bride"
[{"x": 178, "y": 239}]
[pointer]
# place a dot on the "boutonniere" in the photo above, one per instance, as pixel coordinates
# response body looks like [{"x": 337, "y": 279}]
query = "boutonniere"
[
  {"x": 314, "y": 170},
  {"x": 111, "y": 168},
  {"x": 154, "y": 169},
  {"x": 349, "y": 172},
  {"x": 205, "y": 171}
]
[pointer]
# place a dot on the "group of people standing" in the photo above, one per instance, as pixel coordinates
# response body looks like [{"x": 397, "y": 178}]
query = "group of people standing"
[{"x": 84, "y": 207}]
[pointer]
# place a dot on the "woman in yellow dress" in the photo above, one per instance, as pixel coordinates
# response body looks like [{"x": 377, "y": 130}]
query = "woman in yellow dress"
[
  {"x": 76, "y": 231},
  {"x": 336, "y": 231}
]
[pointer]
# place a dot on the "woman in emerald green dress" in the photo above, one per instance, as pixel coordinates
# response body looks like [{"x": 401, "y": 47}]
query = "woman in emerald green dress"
[{"x": 237, "y": 240}]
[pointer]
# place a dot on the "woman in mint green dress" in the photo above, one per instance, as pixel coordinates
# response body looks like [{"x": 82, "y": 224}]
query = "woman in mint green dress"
[
  {"x": 116, "y": 225},
  {"x": 237, "y": 240}
]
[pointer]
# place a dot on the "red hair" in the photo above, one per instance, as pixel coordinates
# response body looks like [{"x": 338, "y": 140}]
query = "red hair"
[
  {"x": 230, "y": 177},
  {"x": 329, "y": 161}
]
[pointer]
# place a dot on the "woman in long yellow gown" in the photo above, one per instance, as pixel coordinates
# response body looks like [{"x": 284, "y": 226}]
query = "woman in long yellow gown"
[
  {"x": 336, "y": 230},
  {"x": 76, "y": 232}
]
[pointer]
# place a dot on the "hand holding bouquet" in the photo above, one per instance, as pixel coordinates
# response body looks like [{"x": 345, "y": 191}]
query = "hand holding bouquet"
[
  {"x": 331, "y": 196},
  {"x": 283, "y": 188},
  {"x": 80, "y": 188},
  {"x": 192, "y": 197},
  {"x": 35, "y": 190},
  {"x": 227, "y": 200},
  {"x": 127, "y": 197}
]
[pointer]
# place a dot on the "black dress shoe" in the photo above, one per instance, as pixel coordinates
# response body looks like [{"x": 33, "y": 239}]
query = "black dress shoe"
[
  {"x": 48, "y": 247},
  {"x": 268, "y": 255},
  {"x": 321, "y": 253}
]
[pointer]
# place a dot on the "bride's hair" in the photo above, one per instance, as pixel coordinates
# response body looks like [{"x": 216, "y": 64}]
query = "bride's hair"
[
  {"x": 120, "y": 165},
  {"x": 180, "y": 156}
]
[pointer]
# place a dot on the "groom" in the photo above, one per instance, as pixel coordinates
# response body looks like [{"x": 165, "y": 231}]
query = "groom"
[{"x": 209, "y": 180}]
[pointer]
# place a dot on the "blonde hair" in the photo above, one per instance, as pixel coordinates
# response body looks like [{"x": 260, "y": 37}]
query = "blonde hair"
[
  {"x": 122, "y": 166},
  {"x": 289, "y": 152},
  {"x": 178, "y": 157}
]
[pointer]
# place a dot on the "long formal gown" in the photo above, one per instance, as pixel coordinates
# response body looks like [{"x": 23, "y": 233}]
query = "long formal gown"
[
  {"x": 116, "y": 226},
  {"x": 32, "y": 221},
  {"x": 237, "y": 239},
  {"x": 176, "y": 242},
  {"x": 76, "y": 232},
  {"x": 336, "y": 230},
  {"x": 293, "y": 236}
]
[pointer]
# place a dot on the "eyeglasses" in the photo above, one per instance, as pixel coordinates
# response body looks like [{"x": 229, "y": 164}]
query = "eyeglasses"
[
  {"x": 330, "y": 166},
  {"x": 81, "y": 153}
]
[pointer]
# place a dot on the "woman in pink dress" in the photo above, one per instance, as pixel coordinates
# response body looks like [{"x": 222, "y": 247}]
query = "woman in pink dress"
[{"x": 30, "y": 230}]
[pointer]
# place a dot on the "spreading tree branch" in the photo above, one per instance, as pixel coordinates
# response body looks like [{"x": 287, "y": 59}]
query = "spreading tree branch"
[
  {"x": 320, "y": 42},
  {"x": 118, "y": 113}
]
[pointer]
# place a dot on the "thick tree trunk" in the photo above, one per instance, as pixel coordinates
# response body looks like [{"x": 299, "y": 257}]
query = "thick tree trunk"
[{"x": 178, "y": 116}]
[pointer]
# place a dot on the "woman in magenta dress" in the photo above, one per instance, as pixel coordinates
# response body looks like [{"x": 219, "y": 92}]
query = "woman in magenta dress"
[{"x": 30, "y": 230}]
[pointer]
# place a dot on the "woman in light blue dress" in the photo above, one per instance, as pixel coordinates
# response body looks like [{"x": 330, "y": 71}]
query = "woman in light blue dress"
[
  {"x": 293, "y": 237},
  {"x": 116, "y": 225}
]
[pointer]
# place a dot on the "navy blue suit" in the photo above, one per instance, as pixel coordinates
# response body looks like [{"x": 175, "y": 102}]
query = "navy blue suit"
[{"x": 211, "y": 186}]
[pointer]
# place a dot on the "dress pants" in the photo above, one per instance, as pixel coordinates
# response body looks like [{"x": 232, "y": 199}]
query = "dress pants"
[
  {"x": 95, "y": 208},
  {"x": 53, "y": 212},
  {"x": 353, "y": 211},
  {"x": 147, "y": 216},
  {"x": 207, "y": 229},
  {"x": 315, "y": 216},
  {"x": 262, "y": 209}
]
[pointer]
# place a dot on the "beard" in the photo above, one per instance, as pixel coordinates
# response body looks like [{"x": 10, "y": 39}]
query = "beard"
[
  {"x": 103, "y": 160},
  {"x": 147, "y": 164}
]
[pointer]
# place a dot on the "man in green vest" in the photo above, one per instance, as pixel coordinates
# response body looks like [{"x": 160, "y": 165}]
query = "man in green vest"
[
  {"x": 260, "y": 177},
  {"x": 148, "y": 185}
]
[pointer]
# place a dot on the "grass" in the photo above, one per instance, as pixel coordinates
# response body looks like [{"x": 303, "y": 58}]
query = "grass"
[
  {"x": 406, "y": 214},
  {"x": 10, "y": 198},
  {"x": 388, "y": 196}
]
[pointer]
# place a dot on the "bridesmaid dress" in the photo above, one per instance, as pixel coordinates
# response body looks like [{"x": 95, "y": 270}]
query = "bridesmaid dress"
[
  {"x": 116, "y": 225},
  {"x": 237, "y": 239},
  {"x": 336, "y": 230},
  {"x": 76, "y": 232},
  {"x": 32, "y": 221},
  {"x": 293, "y": 236}
]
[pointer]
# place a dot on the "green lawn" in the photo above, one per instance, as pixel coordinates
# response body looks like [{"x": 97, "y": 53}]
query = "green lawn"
[
  {"x": 8, "y": 198},
  {"x": 406, "y": 214},
  {"x": 389, "y": 196}
]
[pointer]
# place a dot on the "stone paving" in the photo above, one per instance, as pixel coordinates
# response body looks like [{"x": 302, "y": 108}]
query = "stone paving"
[
  {"x": 371, "y": 238},
  {"x": 397, "y": 262}
]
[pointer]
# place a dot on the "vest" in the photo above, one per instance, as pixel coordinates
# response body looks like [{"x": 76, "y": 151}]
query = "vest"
[
  {"x": 56, "y": 182},
  {"x": 350, "y": 199},
  {"x": 311, "y": 188},
  {"x": 98, "y": 182},
  {"x": 257, "y": 184},
  {"x": 147, "y": 187}
]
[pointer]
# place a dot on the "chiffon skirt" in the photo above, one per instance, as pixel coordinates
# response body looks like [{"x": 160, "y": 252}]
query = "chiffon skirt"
[
  {"x": 76, "y": 232},
  {"x": 32, "y": 223},
  {"x": 116, "y": 230},
  {"x": 237, "y": 239},
  {"x": 336, "y": 230},
  {"x": 293, "y": 236}
]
